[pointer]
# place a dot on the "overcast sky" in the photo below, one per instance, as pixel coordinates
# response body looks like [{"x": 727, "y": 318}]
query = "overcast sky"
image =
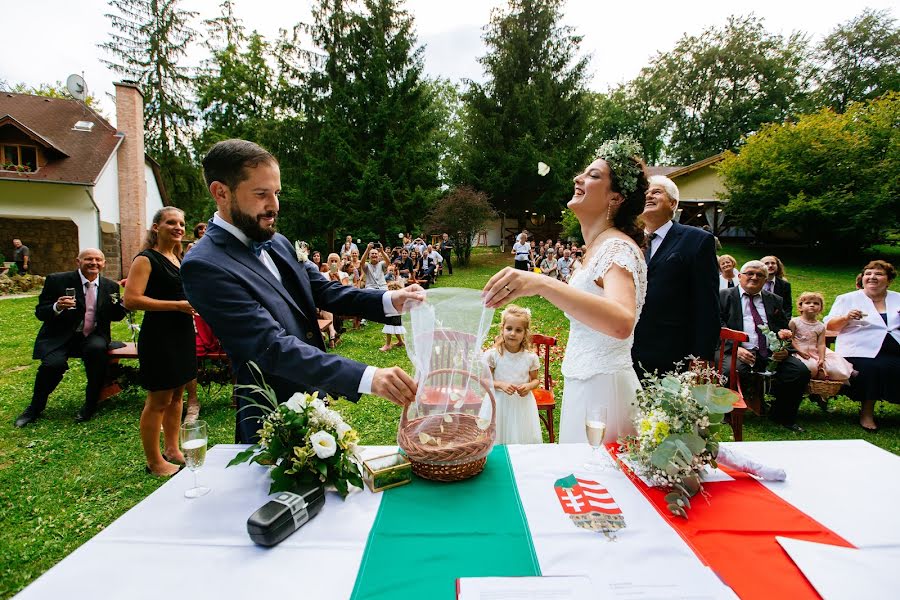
[{"x": 54, "y": 38}]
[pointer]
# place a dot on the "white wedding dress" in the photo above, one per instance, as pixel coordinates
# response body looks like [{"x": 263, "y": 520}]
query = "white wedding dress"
[{"x": 597, "y": 367}]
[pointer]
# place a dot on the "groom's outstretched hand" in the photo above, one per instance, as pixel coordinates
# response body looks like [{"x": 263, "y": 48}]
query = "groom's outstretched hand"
[
  {"x": 412, "y": 293},
  {"x": 394, "y": 384}
]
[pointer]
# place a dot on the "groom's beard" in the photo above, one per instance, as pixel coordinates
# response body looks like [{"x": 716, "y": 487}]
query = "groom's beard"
[{"x": 249, "y": 224}]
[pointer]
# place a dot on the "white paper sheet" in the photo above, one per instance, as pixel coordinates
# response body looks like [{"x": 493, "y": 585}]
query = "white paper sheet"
[
  {"x": 523, "y": 588},
  {"x": 840, "y": 573}
]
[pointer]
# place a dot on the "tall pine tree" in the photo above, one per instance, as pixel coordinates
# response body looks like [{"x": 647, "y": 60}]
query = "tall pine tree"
[
  {"x": 149, "y": 39},
  {"x": 533, "y": 108}
]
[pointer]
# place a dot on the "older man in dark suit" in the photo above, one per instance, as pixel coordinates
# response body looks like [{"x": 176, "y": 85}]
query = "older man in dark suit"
[
  {"x": 76, "y": 308},
  {"x": 746, "y": 308},
  {"x": 679, "y": 318},
  {"x": 246, "y": 283}
]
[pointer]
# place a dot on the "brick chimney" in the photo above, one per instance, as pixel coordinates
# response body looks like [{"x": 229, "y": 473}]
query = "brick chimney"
[{"x": 132, "y": 184}]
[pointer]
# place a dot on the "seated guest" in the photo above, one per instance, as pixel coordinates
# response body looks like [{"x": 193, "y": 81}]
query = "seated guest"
[
  {"x": 316, "y": 259},
  {"x": 349, "y": 247},
  {"x": 777, "y": 283},
  {"x": 334, "y": 271},
  {"x": 549, "y": 265},
  {"x": 353, "y": 267},
  {"x": 431, "y": 260},
  {"x": 391, "y": 274},
  {"x": 416, "y": 260},
  {"x": 867, "y": 324},
  {"x": 728, "y": 275},
  {"x": 564, "y": 265},
  {"x": 747, "y": 307},
  {"x": 375, "y": 268},
  {"x": 405, "y": 266},
  {"x": 76, "y": 308}
]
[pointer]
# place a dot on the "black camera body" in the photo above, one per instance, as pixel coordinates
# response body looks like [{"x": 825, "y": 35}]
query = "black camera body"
[{"x": 285, "y": 514}]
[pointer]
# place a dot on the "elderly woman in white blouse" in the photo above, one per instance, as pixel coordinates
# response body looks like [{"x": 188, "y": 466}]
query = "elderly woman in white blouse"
[
  {"x": 867, "y": 324},
  {"x": 728, "y": 275}
]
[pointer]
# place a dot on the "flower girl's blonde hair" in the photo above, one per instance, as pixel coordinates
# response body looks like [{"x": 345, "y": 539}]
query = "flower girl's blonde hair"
[{"x": 517, "y": 312}]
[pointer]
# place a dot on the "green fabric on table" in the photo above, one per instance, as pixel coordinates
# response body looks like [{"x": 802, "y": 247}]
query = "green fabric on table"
[{"x": 427, "y": 534}]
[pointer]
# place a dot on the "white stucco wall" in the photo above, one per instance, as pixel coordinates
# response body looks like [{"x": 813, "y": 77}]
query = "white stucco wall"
[
  {"x": 154, "y": 198},
  {"x": 36, "y": 200},
  {"x": 106, "y": 192}
]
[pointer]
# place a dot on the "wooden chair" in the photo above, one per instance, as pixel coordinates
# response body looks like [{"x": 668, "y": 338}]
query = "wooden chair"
[
  {"x": 736, "y": 416},
  {"x": 543, "y": 396}
]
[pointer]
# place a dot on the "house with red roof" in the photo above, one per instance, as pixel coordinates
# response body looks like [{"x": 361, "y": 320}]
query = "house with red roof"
[{"x": 71, "y": 180}]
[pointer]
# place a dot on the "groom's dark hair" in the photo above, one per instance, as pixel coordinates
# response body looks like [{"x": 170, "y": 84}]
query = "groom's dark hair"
[{"x": 227, "y": 161}]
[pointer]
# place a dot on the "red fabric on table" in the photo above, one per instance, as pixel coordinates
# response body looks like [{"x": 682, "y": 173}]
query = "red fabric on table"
[{"x": 734, "y": 534}]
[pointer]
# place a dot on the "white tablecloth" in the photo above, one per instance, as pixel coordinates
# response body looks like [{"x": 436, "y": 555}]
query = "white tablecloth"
[{"x": 168, "y": 545}]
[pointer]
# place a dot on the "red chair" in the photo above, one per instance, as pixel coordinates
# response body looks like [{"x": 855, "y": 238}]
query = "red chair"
[
  {"x": 736, "y": 416},
  {"x": 544, "y": 398}
]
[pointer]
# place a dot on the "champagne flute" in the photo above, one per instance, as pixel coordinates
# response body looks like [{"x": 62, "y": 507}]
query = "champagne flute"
[
  {"x": 193, "y": 446},
  {"x": 70, "y": 292},
  {"x": 595, "y": 428}
]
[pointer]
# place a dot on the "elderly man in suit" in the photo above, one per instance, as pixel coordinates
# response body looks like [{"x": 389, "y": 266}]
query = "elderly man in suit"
[
  {"x": 679, "y": 318},
  {"x": 76, "y": 308},
  {"x": 245, "y": 281},
  {"x": 747, "y": 307}
]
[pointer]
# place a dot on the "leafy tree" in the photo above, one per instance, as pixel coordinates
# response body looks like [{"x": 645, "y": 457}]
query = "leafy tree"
[
  {"x": 832, "y": 178},
  {"x": 532, "y": 109},
  {"x": 713, "y": 89},
  {"x": 627, "y": 110},
  {"x": 461, "y": 214},
  {"x": 860, "y": 60},
  {"x": 149, "y": 39}
]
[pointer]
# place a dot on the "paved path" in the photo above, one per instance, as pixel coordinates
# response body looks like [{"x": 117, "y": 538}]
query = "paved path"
[{"x": 11, "y": 296}]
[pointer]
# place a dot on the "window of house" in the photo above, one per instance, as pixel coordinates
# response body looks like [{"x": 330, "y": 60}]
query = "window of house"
[{"x": 13, "y": 157}]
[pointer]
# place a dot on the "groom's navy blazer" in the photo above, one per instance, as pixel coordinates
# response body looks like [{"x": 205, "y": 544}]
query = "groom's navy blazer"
[
  {"x": 681, "y": 310},
  {"x": 273, "y": 324}
]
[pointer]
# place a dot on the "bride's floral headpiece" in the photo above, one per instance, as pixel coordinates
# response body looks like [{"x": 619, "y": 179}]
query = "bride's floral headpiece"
[{"x": 620, "y": 154}]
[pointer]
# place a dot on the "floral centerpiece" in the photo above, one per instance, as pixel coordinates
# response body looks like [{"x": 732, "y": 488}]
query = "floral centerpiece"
[
  {"x": 679, "y": 427},
  {"x": 304, "y": 441}
]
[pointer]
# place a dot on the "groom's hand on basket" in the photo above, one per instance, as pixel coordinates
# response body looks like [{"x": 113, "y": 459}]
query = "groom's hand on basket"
[
  {"x": 414, "y": 294},
  {"x": 394, "y": 384}
]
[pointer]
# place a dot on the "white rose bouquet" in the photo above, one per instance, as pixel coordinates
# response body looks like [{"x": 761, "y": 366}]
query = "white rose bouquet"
[{"x": 304, "y": 441}]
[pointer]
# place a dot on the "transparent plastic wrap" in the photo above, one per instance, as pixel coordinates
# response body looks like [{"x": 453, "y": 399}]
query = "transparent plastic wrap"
[{"x": 449, "y": 430}]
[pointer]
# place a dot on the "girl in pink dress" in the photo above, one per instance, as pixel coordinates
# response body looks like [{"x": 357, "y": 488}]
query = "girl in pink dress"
[{"x": 809, "y": 341}]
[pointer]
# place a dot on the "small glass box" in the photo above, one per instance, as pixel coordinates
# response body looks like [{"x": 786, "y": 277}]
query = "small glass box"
[{"x": 384, "y": 472}]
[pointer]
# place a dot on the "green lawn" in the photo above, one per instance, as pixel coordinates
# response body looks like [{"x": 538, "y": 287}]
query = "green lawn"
[{"x": 61, "y": 483}]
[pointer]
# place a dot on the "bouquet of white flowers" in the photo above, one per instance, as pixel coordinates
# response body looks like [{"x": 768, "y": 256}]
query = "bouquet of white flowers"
[
  {"x": 679, "y": 427},
  {"x": 304, "y": 441}
]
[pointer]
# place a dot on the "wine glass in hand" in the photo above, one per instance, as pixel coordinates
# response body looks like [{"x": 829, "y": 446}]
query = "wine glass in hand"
[
  {"x": 70, "y": 293},
  {"x": 595, "y": 428},
  {"x": 193, "y": 446}
]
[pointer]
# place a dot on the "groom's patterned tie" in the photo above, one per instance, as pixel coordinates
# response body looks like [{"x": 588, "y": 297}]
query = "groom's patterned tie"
[{"x": 647, "y": 249}]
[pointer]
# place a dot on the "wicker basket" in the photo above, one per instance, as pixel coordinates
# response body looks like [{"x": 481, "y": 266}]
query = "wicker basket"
[
  {"x": 826, "y": 388},
  {"x": 460, "y": 457}
]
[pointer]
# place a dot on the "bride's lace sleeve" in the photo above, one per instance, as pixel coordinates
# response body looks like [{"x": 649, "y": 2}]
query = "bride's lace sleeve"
[{"x": 627, "y": 256}]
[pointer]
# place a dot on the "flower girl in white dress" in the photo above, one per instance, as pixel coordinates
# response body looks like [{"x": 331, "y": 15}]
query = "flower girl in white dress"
[{"x": 515, "y": 370}]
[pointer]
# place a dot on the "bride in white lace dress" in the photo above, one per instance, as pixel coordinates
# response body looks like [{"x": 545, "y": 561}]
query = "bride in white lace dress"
[{"x": 604, "y": 297}]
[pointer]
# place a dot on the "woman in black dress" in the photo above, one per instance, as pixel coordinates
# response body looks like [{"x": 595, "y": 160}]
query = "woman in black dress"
[{"x": 166, "y": 346}]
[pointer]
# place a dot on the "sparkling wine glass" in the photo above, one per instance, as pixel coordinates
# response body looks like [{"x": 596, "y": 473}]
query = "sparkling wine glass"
[
  {"x": 193, "y": 446},
  {"x": 595, "y": 428}
]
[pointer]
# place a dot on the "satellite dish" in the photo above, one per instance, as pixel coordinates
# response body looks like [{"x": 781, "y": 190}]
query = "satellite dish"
[{"x": 77, "y": 86}]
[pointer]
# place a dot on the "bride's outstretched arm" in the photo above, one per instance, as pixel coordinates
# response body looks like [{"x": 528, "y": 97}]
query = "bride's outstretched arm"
[{"x": 613, "y": 314}]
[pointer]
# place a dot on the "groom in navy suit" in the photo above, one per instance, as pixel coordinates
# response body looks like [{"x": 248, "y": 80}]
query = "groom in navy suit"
[
  {"x": 681, "y": 311},
  {"x": 245, "y": 281}
]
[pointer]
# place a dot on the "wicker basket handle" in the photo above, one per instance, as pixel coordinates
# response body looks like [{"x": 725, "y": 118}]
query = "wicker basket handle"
[{"x": 489, "y": 389}]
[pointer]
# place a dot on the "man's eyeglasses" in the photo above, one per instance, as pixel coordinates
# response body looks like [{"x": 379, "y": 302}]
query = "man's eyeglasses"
[{"x": 754, "y": 275}]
